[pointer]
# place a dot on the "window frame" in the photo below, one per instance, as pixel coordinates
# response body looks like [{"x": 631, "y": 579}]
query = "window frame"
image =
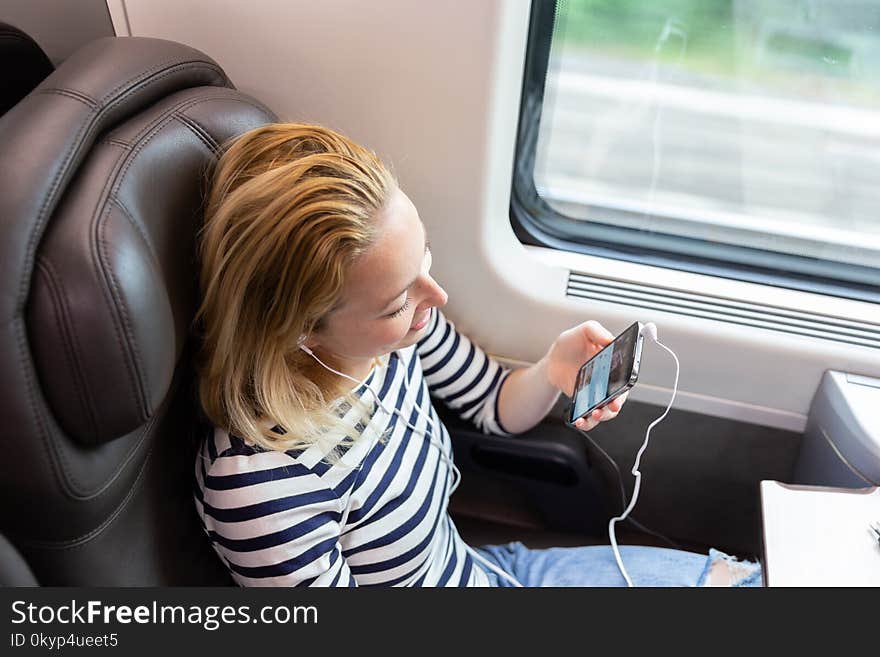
[{"x": 536, "y": 223}]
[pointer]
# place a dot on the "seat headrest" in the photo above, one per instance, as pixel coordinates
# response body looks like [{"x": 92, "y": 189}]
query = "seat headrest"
[{"x": 101, "y": 181}]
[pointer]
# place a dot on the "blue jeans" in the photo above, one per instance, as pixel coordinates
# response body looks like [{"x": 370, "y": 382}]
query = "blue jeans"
[{"x": 595, "y": 565}]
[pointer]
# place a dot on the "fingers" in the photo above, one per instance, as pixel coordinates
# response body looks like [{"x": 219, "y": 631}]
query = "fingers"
[
  {"x": 617, "y": 403},
  {"x": 606, "y": 413},
  {"x": 603, "y": 414},
  {"x": 597, "y": 333},
  {"x": 586, "y": 423}
]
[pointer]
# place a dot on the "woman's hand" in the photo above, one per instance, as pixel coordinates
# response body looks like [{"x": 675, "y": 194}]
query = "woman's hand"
[
  {"x": 601, "y": 414},
  {"x": 567, "y": 354}
]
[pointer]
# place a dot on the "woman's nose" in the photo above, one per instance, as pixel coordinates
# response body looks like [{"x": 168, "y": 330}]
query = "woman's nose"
[
  {"x": 434, "y": 294},
  {"x": 442, "y": 296}
]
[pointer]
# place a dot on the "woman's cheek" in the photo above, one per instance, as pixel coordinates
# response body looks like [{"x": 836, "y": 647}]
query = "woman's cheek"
[
  {"x": 398, "y": 330},
  {"x": 404, "y": 326}
]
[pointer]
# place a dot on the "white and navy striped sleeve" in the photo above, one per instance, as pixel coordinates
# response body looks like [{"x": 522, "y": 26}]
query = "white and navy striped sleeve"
[
  {"x": 461, "y": 374},
  {"x": 273, "y": 521}
]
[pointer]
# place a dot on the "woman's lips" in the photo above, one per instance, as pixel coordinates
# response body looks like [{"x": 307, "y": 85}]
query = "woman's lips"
[{"x": 421, "y": 323}]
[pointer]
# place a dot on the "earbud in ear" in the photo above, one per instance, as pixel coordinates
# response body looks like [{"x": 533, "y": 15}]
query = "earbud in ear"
[{"x": 300, "y": 342}]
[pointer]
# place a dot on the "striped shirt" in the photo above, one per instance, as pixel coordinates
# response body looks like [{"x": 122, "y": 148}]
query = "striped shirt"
[{"x": 378, "y": 517}]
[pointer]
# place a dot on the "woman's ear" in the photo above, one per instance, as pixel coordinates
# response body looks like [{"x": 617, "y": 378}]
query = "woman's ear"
[
  {"x": 305, "y": 344},
  {"x": 309, "y": 341}
]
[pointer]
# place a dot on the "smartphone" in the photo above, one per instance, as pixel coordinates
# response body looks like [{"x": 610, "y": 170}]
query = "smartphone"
[{"x": 608, "y": 374}]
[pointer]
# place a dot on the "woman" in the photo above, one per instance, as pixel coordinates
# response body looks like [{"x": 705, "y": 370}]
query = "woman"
[{"x": 322, "y": 335}]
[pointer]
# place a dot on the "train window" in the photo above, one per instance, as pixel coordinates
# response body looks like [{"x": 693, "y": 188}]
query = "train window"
[{"x": 739, "y": 138}]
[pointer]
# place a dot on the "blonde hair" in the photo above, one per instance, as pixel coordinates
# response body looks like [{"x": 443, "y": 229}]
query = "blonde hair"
[{"x": 290, "y": 207}]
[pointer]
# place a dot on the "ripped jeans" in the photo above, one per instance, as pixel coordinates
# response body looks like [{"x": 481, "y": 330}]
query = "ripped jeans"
[{"x": 595, "y": 565}]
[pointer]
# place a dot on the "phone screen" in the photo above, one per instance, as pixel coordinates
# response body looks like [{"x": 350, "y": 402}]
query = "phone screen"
[{"x": 607, "y": 374}]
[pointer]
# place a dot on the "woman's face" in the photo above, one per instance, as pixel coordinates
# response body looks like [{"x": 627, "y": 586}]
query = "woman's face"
[{"x": 388, "y": 295}]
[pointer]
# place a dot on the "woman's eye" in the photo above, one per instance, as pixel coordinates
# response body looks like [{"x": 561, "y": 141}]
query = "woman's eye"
[
  {"x": 398, "y": 313},
  {"x": 402, "y": 309}
]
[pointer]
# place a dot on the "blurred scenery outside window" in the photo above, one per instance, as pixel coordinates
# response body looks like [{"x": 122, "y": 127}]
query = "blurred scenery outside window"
[{"x": 752, "y": 123}]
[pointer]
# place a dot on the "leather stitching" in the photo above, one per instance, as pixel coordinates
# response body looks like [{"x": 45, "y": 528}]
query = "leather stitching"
[
  {"x": 72, "y": 482},
  {"x": 88, "y": 125},
  {"x": 116, "y": 181},
  {"x": 76, "y": 144},
  {"x": 117, "y": 142},
  {"x": 84, "y": 538},
  {"x": 48, "y": 447},
  {"x": 145, "y": 431},
  {"x": 136, "y": 372},
  {"x": 72, "y": 150},
  {"x": 190, "y": 103},
  {"x": 171, "y": 66},
  {"x": 69, "y": 336},
  {"x": 138, "y": 226},
  {"x": 140, "y": 383},
  {"x": 76, "y": 95},
  {"x": 203, "y": 135}
]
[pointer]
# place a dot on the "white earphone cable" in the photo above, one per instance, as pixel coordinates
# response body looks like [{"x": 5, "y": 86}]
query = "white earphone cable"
[{"x": 651, "y": 331}]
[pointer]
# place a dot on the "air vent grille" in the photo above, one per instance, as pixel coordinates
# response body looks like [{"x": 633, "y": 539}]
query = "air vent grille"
[{"x": 707, "y": 306}]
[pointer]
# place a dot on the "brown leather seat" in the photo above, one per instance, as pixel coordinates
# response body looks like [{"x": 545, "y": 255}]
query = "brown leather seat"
[
  {"x": 14, "y": 571},
  {"x": 101, "y": 184}
]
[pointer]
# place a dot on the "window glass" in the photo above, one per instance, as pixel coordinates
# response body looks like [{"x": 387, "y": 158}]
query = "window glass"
[{"x": 729, "y": 131}]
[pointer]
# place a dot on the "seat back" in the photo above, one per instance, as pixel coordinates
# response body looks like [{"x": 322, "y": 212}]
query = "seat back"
[
  {"x": 25, "y": 65},
  {"x": 14, "y": 571},
  {"x": 102, "y": 178}
]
